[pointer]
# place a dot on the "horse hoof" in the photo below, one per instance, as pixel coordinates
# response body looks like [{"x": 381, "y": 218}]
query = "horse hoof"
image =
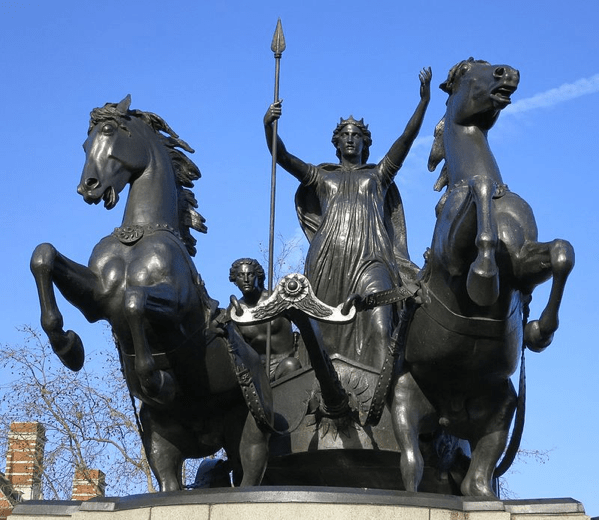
[
  {"x": 534, "y": 339},
  {"x": 483, "y": 286},
  {"x": 472, "y": 488},
  {"x": 69, "y": 350}
]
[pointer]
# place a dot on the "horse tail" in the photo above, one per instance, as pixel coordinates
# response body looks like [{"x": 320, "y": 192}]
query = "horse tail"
[{"x": 514, "y": 444}]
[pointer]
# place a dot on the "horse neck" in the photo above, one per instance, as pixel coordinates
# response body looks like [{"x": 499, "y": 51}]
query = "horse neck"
[
  {"x": 153, "y": 194},
  {"x": 467, "y": 152}
]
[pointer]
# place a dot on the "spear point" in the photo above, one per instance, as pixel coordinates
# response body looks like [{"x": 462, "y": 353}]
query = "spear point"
[{"x": 278, "y": 41}]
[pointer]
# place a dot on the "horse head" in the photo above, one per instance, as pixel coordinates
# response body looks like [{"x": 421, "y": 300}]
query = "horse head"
[
  {"x": 478, "y": 91},
  {"x": 121, "y": 144},
  {"x": 134, "y": 147},
  {"x": 113, "y": 154}
]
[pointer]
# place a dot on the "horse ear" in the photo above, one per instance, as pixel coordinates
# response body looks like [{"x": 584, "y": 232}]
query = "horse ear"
[{"x": 123, "y": 106}]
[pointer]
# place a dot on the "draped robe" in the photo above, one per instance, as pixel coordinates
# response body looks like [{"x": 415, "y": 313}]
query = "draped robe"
[{"x": 354, "y": 221}]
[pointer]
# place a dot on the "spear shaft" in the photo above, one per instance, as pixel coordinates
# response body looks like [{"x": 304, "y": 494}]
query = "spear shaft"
[{"x": 277, "y": 47}]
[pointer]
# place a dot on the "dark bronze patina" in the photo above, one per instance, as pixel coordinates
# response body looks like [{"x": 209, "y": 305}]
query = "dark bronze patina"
[
  {"x": 402, "y": 369},
  {"x": 353, "y": 217},
  {"x": 465, "y": 338},
  {"x": 248, "y": 275},
  {"x": 191, "y": 377}
]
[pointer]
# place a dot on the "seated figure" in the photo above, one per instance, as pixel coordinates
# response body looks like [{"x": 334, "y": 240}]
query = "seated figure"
[{"x": 248, "y": 275}]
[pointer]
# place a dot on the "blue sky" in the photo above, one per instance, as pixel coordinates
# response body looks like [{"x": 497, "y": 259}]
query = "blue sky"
[{"x": 208, "y": 70}]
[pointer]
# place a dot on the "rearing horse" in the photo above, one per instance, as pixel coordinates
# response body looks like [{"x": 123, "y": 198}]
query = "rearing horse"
[
  {"x": 141, "y": 279},
  {"x": 464, "y": 340}
]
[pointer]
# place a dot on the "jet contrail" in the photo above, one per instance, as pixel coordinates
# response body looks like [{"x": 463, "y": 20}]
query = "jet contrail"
[{"x": 565, "y": 92}]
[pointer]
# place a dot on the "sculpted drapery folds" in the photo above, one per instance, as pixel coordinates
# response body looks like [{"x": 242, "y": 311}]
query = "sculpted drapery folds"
[{"x": 353, "y": 217}]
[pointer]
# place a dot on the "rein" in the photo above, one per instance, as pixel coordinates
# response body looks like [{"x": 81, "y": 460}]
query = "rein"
[{"x": 514, "y": 444}]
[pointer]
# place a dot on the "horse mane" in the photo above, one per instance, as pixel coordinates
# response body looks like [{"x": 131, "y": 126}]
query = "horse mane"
[
  {"x": 185, "y": 170},
  {"x": 437, "y": 155}
]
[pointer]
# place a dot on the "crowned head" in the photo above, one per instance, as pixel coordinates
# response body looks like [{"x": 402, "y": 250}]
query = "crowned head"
[{"x": 366, "y": 136}]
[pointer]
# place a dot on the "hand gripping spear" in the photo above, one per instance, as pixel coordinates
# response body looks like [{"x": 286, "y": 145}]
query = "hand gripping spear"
[{"x": 277, "y": 46}]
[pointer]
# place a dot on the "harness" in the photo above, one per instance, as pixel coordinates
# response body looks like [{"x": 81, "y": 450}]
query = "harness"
[
  {"x": 397, "y": 294},
  {"x": 395, "y": 355},
  {"x": 404, "y": 294},
  {"x": 129, "y": 235},
  {"x": 438, "y": 312}
]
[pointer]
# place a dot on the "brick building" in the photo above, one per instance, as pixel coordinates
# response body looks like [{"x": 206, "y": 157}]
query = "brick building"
[
  {"x": 88, "y": 484},
  {"x": 22, "y": 479}
]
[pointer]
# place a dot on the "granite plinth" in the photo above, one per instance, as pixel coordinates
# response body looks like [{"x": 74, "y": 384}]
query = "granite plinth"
[{"x": 292, "y": 503}]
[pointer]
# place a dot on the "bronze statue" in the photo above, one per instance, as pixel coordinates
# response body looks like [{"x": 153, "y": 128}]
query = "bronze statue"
[
  {"x": 248, "y": 275},
  {"x": 446, "y": 357},
  {"x": 465, "y": 338},
  {"x": 191, "y": 376},
  {"x": 353, "y": 217}
]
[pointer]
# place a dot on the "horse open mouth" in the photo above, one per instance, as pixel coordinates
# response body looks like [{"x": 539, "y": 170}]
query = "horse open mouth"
[
  {"x": 110, "y": 197},
  {"x": 503, "y": 94}
]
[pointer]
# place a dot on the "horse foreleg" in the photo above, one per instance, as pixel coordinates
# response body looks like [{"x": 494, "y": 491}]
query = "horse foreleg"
[
  {"x": 485, "y": 454},
  {"x": 408, "y": 408},
  {"x": 483, "y": 277},
  {"x": 140, "y": 305},
  {"x": 491, "y": 415},
  {"x": 538, "y": 334},
  {"x": 77, "y": 284},
  {"x": 164, "y": 457},
  {"x": 253, "y": 450}
]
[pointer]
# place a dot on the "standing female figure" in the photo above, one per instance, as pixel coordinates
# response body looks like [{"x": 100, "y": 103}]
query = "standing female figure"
[{"x": 353, "y": 217}]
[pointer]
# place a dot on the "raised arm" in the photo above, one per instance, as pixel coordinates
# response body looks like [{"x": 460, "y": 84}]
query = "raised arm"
[
  {"x": 400, "y": 148},
  {"x": 287, "y": 161}
]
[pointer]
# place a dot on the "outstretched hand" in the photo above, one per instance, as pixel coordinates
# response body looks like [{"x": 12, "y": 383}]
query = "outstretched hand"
[
  {"x": 273, "y": 113},
  {"x": 425, "y": 76}
]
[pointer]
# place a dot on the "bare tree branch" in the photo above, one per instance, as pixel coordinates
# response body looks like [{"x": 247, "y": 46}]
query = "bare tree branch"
[{"x": 88, "y": 415}]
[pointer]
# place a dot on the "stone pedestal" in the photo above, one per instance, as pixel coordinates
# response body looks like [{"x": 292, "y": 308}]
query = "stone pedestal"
[{"x": 301, "y": 503}]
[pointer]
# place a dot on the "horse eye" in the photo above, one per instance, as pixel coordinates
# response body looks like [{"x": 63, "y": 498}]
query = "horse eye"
[{"x": 108, "y": 129}]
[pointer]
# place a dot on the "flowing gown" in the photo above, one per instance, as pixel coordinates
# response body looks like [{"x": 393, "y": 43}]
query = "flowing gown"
[{"x": 354, "y": 221}]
